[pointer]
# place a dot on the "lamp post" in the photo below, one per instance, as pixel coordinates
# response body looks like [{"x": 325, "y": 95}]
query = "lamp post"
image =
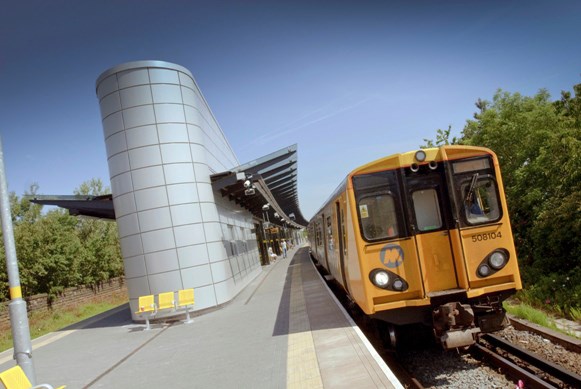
[{"x": 17, "y": 306}]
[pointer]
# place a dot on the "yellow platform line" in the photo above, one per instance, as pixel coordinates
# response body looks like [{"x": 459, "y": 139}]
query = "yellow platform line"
[{"x": 302, "y": 365}]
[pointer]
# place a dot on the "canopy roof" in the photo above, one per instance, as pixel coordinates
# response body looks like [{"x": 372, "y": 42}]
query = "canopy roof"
[
  {"x": 94, "y": 206},
  {"x": 267, "y": 187}
]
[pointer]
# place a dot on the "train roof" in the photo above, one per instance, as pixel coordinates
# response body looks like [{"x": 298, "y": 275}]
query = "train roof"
[
  {"x": 405, "y": 159},
  {"x": 438, "y": 154}
]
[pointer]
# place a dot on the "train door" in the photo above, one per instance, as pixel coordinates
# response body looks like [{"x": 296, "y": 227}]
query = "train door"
[
  {"x": 431, "y": 231},
  {"x": 341, "y": 239},
  {"x": 325, "y": 240}
]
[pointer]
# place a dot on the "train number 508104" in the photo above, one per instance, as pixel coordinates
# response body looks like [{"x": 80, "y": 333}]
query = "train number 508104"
[{"x": 486, "y": 236}]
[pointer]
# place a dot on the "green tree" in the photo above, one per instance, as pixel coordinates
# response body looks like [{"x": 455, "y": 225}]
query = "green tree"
[
  {"x": 442, "y": 138},
  {"x": 556, "y": 231},
  {"x": 93, "y": 187},
  {"x": 56, "y": 250},
  {"x": 538, "y": 143},
  {"x": 570, "y": 106},
  {"x": 48, "y": 252},
  {"x": 22, "y": 211},
  {"x": 102, "y": 259}
]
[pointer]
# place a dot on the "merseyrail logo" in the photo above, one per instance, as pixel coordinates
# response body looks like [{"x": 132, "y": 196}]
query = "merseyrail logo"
[{"x": 391, "y": 256}]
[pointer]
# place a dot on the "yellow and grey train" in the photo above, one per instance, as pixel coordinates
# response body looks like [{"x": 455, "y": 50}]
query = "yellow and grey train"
[{"x": 422, "y": 237}]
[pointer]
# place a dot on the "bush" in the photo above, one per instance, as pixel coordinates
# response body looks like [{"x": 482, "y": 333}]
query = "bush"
[{"x": 557, "y": 293}]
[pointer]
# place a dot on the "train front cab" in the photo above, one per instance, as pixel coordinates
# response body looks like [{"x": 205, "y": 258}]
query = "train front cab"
[{"x": 436, "y": 241}]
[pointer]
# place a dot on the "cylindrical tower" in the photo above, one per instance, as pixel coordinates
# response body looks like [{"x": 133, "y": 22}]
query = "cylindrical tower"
[{"x": 156, "y": 125}]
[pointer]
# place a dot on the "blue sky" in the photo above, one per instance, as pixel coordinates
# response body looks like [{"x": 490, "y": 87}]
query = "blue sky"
[{"x": 349, "y": 81}]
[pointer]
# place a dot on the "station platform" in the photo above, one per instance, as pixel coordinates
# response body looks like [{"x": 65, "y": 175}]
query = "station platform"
[{"x": 285, "y": 330}]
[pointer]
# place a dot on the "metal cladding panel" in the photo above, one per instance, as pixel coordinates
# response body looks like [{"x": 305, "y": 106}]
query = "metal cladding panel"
[
  {"x": 195, "y": 255},
  {"x": 160, "y": 132}
]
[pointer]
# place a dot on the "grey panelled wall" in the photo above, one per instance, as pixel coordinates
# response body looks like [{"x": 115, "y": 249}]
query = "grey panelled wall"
[{"x": 163, "y": 143}]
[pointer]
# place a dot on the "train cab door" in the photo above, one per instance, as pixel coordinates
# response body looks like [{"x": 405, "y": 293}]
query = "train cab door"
[{"x": 429, "y": 208}]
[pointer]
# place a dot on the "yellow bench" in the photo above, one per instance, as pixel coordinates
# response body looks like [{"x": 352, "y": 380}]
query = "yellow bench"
[
  {"x": 15, "y": 378},
  {"x": 148, "y": 308},
  {"x": 186, "y": 299}
]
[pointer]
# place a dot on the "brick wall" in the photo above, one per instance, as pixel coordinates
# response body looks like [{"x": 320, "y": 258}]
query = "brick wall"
[{"x": 69, "y": 298}]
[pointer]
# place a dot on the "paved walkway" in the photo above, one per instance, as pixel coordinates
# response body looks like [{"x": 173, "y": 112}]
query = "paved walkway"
[{"x": 283, "y": 331}]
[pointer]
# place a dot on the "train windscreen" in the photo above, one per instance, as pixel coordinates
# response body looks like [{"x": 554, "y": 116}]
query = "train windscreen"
[
  {"x": 475, "y": 181},
  {"x": 377, "y": 196}
]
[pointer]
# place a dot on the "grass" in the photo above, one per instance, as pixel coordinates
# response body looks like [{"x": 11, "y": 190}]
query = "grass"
[
  {"x": 576, "y": 314},
  {"x": 42, "y": 323},
  {"x": 531, "y": 314},
  {"x": 525, "y": 311}
]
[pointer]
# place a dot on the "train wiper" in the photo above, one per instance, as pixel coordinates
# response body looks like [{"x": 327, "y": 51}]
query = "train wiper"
[{"x": 470, "y": 193}]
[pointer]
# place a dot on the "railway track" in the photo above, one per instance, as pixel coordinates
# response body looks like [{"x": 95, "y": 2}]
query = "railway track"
[
  {"x": 568, "y": 343},
  {"x": 524, "y": 365}
]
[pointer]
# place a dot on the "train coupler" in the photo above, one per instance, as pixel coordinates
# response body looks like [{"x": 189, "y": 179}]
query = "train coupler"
[
  {"x": 454, "y": 325},
  {"x": 459, "y": 338}
]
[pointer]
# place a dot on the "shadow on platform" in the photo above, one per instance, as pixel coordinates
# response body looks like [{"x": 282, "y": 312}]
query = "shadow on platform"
[{"x": 321, "y": 309}]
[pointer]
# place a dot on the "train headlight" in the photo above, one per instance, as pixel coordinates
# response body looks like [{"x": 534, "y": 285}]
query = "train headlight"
[
  {"x": 380, "y": 278},
  {"x": 493, "y": 262},
  {"x": 420, "y": 156},
  {"x": 484, "y": 270},
  {"x": 398, "y": 284},
  {"x": 497, "y": 260}
]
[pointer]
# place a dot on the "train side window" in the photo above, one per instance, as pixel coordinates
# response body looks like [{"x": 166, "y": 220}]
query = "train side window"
[
  {"x": 331, "y": 243},
  {"x": 378, "y": 218},
  {"x": 480, "y": 200},
  {"x": 427, "y": 209},
  {"x": 318, "y": 238}
]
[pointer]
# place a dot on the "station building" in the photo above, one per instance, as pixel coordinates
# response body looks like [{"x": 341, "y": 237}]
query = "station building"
[{"x": 189, "y": 214}]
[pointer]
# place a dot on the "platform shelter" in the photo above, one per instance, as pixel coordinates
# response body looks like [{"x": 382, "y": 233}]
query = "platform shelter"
[{"x": 189, "y": 214}]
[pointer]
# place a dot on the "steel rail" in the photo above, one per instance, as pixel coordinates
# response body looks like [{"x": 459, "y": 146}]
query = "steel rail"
[
  {"x": 553, "y": 369},
  {"x": 530, "y": 379}
]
